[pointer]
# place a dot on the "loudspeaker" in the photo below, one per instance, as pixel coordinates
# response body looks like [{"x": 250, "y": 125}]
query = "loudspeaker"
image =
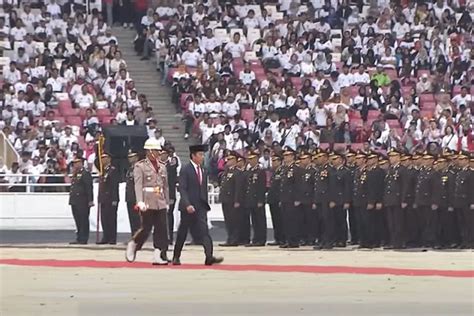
[{"x": 120, "y": 139}]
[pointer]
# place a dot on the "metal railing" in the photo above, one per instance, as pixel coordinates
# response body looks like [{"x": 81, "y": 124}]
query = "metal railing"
[{"x": 30, "y": 182}]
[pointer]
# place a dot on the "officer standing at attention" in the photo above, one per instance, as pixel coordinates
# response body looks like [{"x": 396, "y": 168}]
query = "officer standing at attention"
[
  {"x": 464, "y": 201},
  {"x": 392, "y": 201},
  {"x": 353, "y": 216},
  {"x": 412, "y": 226},
  {"x": 227, "y": 198},
  {"x": 194, "y": 206},
  {"x": 171, "y": 163},
  {"x": 360, "y": 192},
  {"x": 340, "y": 196},
  {"x": 151, "y": 189},
  {"x": 443, "y": 195},
  {"x": 240, "y": 178},
  {"x": 289, "y": 200},
  {"x": 133, "y": 215},
  {"x": 425, "y": 203},
  {"x": 305, "y": 192},
  {"x": 321, "y": 183},
  {"x": 81, "y": 199},
  {"x": 374, "y": 215},
  {"x": 273, "y": 200},
  {"x": 254, "y": 202},
  {"x": 108, "y": 199}
]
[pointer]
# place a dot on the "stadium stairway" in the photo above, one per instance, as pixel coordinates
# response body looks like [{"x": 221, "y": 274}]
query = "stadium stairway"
[{"x": 147, "y": 81}]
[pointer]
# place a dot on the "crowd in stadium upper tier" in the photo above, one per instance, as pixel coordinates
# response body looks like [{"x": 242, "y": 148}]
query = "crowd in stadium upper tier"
[
  {"x": 387, "y": 74},
  {"x": 373, "y": 74},
  {"x": 63, "y": 77}
]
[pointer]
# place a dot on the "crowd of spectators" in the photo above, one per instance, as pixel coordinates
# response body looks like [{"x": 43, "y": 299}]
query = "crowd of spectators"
[
  {"x": 366, "y": 74},
  {"x": 64, "y": 77}
]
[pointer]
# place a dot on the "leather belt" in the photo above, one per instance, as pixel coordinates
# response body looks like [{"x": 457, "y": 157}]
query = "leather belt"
[{"x": 152, "y": 189}]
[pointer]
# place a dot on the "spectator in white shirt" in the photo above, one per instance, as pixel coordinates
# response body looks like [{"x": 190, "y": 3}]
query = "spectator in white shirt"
[
  {"x": 230, "y": 107},
  {"x": 401, "y": 27},
  {"x": 55, "y": 81},
  {"x": 12, "y": 75},
  {"x": 66, "y": 140},
  {"x": 247, "y": 75},
  {"x": 18, "y": 32},
  {"x": 462, "y": 99},
  {"x": 450, "y": 139},
  {"x": 84, "y": 100},
  {"x": 235, "y": 48},
  {"x": 361, "y": 77},
  {"x": 191, "y": 58},
  {"x": 35, "y": 106},
  {"x": 424, "y": 85}
]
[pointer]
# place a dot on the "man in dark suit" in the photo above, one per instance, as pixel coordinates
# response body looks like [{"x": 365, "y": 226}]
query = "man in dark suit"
[
  {"x": 194, "y": 206},
  {"x": 108, "y": 199},
  {"x": 81, "y": 199}
]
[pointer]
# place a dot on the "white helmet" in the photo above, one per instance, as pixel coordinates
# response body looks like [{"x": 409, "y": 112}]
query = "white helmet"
[{"x": 152, "y": 144}]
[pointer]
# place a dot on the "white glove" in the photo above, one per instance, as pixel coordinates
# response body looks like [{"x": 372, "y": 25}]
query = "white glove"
[{"x": 141, "y": 206}]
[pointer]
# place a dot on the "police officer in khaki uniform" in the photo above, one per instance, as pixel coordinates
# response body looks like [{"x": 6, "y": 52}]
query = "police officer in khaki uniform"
[
  {"x": 81, "y": 199},
  {"x": 227, "y": 199},
  {"x": 273, "y": 200},
  {"x": 151, "y": 189},
  {"x": 133, "y": 215},
  {"x": 109, "y": 199}
]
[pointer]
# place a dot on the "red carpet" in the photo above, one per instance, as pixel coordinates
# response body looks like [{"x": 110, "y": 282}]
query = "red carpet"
[{"x": 242, "y": 267}]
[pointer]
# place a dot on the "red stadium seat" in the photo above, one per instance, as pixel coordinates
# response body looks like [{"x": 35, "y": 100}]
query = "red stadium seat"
[
  {"x": 426, "y": 113},
  {"x": 356, "y": 146},
  {"x": 103, "y": 112},
  {"x": 340, "y": 146},
  {"x": 393, "y": 123},
  {"x": 356, "y": 122},
  {"x": 64, "y": 104},
  {"x": 426, "y": 97},
  {"x": 74, "y": 120},
  {"x": 373, "y": 114},
  {"x": 354, "y": 115},
  {"x": 428, "y": 106},
  {"x": 324, "y": 146},
  {"x": 69, "y": 111},
  {"x": 106, "y": 119}
]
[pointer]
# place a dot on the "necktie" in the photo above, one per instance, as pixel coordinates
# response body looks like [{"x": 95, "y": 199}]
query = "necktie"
[{"x": 199, "y": 175}]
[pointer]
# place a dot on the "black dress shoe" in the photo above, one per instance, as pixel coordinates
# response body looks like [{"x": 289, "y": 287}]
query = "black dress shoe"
[
  {"x": 112, "y": 243},
  {"x": 213, "y": 260},
  {"x": 255, "y": 245},
  {"x": 293, "y": 246},
  {"x": 284, "y": 246},
  {"x": 74, "y": 243},
  {"x": 274, "y": 243},
  {"x": 176, "y": 262},
  {"x": 228, "y": 245},
  {"x": 102, "y": 242}
]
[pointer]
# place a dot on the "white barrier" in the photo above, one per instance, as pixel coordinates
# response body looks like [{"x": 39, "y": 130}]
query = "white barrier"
[{"x": 50, "y": 211}]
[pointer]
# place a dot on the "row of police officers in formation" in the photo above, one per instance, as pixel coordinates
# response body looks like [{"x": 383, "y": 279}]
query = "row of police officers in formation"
[
  {"x": 81, "y": 196},
  {"x": 323, "y": 199}
]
